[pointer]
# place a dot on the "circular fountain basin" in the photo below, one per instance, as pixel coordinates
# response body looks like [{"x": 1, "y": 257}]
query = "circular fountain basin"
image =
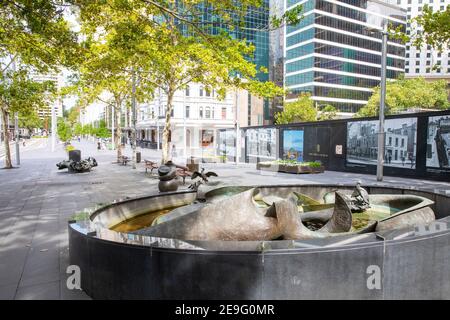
[{"x": 403, "y": 263}]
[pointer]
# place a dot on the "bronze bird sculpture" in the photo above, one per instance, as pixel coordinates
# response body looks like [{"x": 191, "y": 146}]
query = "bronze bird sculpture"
[{"x": 204, "y": 176}]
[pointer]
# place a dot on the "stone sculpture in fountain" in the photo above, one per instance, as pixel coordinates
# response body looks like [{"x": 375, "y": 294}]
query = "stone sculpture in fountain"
[{"x": 258, "y": 214}]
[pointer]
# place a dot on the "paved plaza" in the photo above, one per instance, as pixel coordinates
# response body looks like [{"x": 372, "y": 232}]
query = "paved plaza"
[{"x": 36, "y": 200}]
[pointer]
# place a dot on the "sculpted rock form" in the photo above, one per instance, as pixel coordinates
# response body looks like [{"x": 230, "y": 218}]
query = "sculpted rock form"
[
  {"x": 239, "y": 218},
  {"x": 78, "y": 166}
]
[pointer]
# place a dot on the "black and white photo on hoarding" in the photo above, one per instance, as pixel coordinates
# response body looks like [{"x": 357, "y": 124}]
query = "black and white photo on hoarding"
[
  {"x": 400, "y": 142},
  {"x": 438, "y": 142}
]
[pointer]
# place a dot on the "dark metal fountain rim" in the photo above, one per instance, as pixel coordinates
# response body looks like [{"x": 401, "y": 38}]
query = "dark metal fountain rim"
[{"x": 303, "y": 247}]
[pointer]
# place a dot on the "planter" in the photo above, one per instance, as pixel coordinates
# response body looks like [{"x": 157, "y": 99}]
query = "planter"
[{"x": 297, "y": 169}]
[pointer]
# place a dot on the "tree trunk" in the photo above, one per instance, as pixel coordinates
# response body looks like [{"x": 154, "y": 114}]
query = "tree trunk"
[
  {"x": 8, "y": 162},
  {"x": 118, "y": 137},
  {"x": 166, "y": 132}
]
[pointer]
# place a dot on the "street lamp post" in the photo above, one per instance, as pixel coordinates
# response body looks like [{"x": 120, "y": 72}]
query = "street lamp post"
[
  {"x": 381, "y": 133},
  {"x": 378, "y": 22}
]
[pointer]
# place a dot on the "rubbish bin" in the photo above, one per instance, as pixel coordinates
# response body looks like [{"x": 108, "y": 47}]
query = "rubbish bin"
[
  {"x": 75, "y": 155},
  {"x": 138, "y": 157}
]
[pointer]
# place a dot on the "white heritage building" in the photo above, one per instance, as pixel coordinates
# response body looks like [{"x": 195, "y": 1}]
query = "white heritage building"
[{"x": 196, "y": 118}]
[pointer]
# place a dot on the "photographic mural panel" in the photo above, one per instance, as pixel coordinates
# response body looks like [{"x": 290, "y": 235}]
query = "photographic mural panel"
[
  {"x": 400, "y": 142},
  {"x": 261, "y": 144},
  {"x": 293, "y": 144},
  {"x": 227, "y": 144},
  {"x": 438, "y": 142}
]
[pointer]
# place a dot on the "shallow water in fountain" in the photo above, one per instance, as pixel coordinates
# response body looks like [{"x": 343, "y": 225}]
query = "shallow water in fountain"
[
  {"x": 139, "y": 222},
  {"x": 359, "y": 219}
]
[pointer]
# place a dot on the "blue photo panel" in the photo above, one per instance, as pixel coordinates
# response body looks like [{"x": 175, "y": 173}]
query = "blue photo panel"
[{"x": 293, "y": 145}]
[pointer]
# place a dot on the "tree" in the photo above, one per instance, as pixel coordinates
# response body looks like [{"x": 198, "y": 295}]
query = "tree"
[
  {"x": 78, "y": 129},
  {"x": 102, "y": 130},
  {"x": 34, "y": 34},
  {"x": 430, "y": 28},
  {"x": 328, "y": 112},
  {"x": 19, "y": 94},
  {"x": 405, "y": 94},
  {"x": 170, "y": 44},
  {"x": 30, "y": 120},
  {"x": 301, "y": 110},
  {"x": 64, "y": 130}
]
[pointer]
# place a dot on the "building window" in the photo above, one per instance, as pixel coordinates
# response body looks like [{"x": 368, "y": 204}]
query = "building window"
[
  {"x": 396, "y": 142},
  {"x": 439, "y": 54},
  {"x": 417, "y": 70},
  {"x": 407, "y": 55},
  {"x": 200, "y": 113},
  {"x": 187, "y": 91},
  {"x": 407, "y": 63},
  {"x": 207, "y": 112},
  {"x": 418, "y": 55},
  {"x": 409, "y": 1},
  {"x": 417, "y": 63},
  {"x": 201, "y": 91},
  {"x": 406, "y": 70},
  {"x": 428, "y": 62},
  {"x": 187, "y": 111},
  {"x": 172, "y": 112},
  {"x": 428, "y": 70},
  {"x": 442, "y": 8},
  {"x": 390, "y": 141},
  {"x": 208, "y": 93},
  {"x": 224, "y": 113},
  {"x": 403, "y": 143},
  {"x": 428, "y": 55}
]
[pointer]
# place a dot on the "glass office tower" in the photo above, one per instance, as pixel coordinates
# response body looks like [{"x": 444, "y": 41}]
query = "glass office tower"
[
  {"x": 334, "y": 53},
  {"x": 254, "y": 31}
]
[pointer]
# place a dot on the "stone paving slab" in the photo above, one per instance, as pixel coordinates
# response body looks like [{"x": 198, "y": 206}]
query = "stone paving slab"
[{"x": 36, "y": 200}]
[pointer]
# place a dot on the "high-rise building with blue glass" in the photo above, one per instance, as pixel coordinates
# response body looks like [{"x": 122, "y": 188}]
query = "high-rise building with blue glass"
[
  {"x": 334, "y": 53},
  {"x": 254, "y": 30}
]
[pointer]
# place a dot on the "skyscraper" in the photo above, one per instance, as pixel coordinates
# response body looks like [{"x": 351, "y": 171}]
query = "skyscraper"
[
  {"x": 425, "y": 62},
  {"x": 334, "y": 53}
]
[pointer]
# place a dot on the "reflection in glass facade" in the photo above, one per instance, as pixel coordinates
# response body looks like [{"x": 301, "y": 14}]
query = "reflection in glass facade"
[
  {"x": 261, "y": 144},
  {"x": 336, "y": 44},
  {"x": 227, "y": 144},
  {"x": 254, "y": 31}
]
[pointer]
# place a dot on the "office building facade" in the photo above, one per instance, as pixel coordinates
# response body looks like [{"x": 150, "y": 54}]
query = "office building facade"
[
  {"x": 334, "y": 53},
  {"x": 425, "y": 62}
]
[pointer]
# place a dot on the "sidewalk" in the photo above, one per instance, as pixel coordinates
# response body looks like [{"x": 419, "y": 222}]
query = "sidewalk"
[
  {"x": 36, "y": 200},
  {"x": 30, "y": 144}
]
